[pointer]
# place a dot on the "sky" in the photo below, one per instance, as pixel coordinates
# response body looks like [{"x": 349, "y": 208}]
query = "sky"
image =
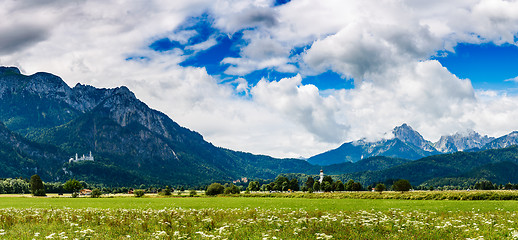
[{"x": 284, "y": 78}]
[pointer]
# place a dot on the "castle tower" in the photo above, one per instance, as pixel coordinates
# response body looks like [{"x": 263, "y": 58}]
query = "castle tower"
[{"x": 321, "y": 176}]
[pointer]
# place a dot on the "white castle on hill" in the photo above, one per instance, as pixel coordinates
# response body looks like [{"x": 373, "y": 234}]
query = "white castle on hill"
[{"x": 83, "y": 158}]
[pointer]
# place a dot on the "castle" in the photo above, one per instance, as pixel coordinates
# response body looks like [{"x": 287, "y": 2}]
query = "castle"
[{"x": 83, "y": 158}]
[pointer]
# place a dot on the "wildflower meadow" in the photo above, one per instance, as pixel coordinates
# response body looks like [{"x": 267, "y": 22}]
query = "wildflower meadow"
[{"x": 270, "y": 218}]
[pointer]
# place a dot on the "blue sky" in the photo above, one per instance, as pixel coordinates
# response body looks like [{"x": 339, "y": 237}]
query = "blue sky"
[
  {"x": 488, "y": 66},
  {"x": 285, "y": 78}
]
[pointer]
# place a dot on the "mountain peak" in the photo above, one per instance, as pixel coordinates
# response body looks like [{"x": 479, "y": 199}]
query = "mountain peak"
[
  {"x": 124, "y": 91},
  {"x": 9, "y": 70},
  {"x": 406, "y": 134},
  {"x": 460, "y": 141}
]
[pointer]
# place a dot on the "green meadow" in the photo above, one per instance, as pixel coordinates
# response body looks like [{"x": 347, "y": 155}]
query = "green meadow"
[
  {"x": 309, "y": 204},
  {"x": 259, "y": 217}
]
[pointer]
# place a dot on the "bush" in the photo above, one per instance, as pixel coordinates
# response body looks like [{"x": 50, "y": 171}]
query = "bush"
[
  {"x": 96, "y": 192},
  {"x": 214, "y": 189},
  {"x": 75, "y": 194},
  {"x": 39, "y": 192},
  {"x": 139, "y": 193},
  {"x": 192, "y": 193}
]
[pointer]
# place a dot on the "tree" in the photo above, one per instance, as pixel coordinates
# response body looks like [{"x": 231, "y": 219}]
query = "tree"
[
  {"x": 339, "y": 186},
  {"x": 293, "y": 184},
  {"x": 232, "y": 189},
  {"x": 214, "y": 189},
  {"x": 402, "y": 185},
  {"x": 349, "y": 185},
  {"x": 96, "y": 192},
  {"x": 37, "y": 187},
  {"x": 84, "y": 184},
  {"x": 310, "y": 182},
  {"x": 167, "y": 191},
  {"x": 356, "y": 186},
  {"x": 316, "y": 186},
  {"x": 328, "y": 179},
  {"x": 278, "y": 184},
  {"x": 253, "y": 186},
  {"x": 380, "y": 187},
  {"x": 73, "y": 186},
  {"x": 326, "y": 186}
]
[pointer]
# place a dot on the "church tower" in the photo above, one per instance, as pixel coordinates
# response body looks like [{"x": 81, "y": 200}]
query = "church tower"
[{"x": 321, "y": 176}]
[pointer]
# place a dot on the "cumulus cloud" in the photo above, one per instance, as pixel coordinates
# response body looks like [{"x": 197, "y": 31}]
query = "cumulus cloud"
[
  {"x": 384, "y": 45},
  {"x": 260, "y": 54},
  {"x": 303, "y": 104}
]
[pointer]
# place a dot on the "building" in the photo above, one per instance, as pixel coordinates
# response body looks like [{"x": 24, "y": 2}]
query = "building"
[
  {"x": 83, "y": 158},
  {"x": 321, "y": 176},
  {"x": 86, "y": 192}
]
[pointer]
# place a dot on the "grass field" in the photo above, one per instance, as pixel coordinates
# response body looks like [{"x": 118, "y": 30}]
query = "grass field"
[
  {"x": 251, "y": 202},
  {"x": 254, "y": 218}
]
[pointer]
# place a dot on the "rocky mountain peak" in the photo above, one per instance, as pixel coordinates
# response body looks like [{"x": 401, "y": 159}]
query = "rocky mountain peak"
[
  {"x": 461, "y": 141},
  {"x": 406, "y": 134}
]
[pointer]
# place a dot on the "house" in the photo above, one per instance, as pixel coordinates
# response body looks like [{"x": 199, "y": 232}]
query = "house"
[{"x": 85, "y": 192}]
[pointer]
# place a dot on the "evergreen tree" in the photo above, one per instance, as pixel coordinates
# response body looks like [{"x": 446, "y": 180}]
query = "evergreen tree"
[
  {"x": 37, "y": 187},
  {"x": 310, "y": 182},
  {"x": 339, "y": 186},
  {"x": 349, "y": 185}
]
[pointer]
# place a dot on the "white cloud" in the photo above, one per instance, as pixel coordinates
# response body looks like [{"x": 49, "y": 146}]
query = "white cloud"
[
  {"x": 384, "y": 45},
  {"x": 302, "y": 104},
  {"x": 515, "y": 79},
  {"x": 211, "y": 42}
]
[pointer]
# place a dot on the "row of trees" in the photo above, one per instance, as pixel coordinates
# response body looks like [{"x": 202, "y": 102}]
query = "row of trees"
[
  {"x": 217, "y": 188},
  {"x": 328, "y": 185}
]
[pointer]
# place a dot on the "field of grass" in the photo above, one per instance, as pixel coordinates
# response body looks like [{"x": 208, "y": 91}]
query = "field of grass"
[{"x": 254, "y": 218}]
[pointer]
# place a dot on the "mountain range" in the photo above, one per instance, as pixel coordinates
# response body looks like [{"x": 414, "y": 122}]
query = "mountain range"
[
  {"x": 409, "y": 144},
  {"x": 44, "y": 122},
  {"x": 131, "y": 143}
]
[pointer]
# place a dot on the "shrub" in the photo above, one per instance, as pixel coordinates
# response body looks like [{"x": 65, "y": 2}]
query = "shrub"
[
  {"x": 39, "y": 192},
  {"x": 192, "y": 193},
  {"x": 139, "y": 193},
  {"x": 214, "y": 189},
  {"x": 96, "y": 192},
  {"x": 167, "y": 191}
]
